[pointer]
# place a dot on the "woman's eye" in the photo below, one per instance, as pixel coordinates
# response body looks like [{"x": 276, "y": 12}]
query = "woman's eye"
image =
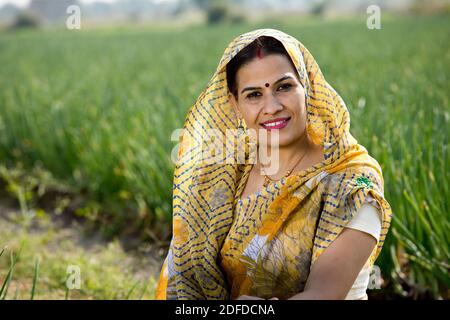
[
  {"x": 285, "y": 86},
  {"x": 253, "y": 95}
]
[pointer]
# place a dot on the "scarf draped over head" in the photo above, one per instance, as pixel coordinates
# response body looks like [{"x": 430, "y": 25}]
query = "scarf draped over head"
[{"x": 204, "y": 192}]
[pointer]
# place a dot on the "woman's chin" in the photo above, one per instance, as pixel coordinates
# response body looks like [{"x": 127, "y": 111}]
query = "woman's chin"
[{"x": 283, "y": 142}]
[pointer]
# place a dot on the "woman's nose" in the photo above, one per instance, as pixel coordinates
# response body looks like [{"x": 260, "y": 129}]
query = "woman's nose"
[{"x": 272, "y": 104}]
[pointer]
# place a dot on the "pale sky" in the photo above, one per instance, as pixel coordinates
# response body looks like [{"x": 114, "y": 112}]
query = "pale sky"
[{"x": 23, "y": 3}]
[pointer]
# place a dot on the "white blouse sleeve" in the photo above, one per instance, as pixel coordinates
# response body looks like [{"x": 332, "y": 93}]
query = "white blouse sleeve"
[{"x": 368, "y": 218}]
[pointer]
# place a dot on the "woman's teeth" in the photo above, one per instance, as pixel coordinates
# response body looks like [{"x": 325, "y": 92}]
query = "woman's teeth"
[{"x": 276, "y": 125}]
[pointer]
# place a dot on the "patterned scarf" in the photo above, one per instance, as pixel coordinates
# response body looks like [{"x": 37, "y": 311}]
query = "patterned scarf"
[{"x": 204, "y": 193}]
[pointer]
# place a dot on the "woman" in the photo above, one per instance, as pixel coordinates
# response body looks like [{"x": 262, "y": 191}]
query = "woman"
[{"x": 310, "y": 229}]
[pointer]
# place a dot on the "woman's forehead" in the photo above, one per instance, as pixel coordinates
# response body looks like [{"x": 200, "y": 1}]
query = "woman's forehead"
[{"x": 268, "y": 69}]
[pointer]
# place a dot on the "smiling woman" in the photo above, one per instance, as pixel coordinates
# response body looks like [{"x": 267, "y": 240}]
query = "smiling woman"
[
  {"x": 279, "y": 106},
  {"x": 312, "y": 229}
]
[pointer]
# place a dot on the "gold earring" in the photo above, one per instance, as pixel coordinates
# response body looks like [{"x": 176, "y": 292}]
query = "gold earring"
[{"x": 241, "y": 128}]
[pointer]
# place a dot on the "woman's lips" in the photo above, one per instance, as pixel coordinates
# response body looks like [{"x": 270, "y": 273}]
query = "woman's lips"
[{"x": 277, "y": 124}]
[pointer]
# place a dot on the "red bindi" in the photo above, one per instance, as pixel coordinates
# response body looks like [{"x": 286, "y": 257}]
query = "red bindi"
[{"x": 267, "y": 85}]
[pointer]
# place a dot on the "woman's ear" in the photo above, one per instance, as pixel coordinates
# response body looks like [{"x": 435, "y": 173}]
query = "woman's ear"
[{"x": 233, "y": 102}]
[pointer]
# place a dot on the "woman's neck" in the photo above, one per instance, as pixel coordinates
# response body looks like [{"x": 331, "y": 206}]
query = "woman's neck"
[{"x": 290, "y": 157}]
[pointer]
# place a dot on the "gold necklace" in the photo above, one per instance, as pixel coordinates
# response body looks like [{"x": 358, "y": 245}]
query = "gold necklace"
[{"x": 268, "y": 180}]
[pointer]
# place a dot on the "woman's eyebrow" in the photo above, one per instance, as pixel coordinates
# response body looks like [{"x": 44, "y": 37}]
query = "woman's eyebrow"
[
  {"x": 255, "y": 88},
  {"x": 283, "y": 78},
  {"x": 249, "y": 88}
]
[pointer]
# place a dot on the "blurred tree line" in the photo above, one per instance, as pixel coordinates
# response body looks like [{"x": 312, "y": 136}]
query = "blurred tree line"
[{"x": 218, "y": 11}]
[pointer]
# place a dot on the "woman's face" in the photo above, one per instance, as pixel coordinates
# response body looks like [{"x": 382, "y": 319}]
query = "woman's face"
[{"x": 271, "y": 98}]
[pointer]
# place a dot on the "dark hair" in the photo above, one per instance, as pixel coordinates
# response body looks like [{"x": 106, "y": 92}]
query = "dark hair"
[{"x": 262, "y": 46}]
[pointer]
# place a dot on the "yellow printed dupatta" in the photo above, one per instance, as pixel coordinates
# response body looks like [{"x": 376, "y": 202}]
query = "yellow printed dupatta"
[{"x": 204, "y": 194}]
